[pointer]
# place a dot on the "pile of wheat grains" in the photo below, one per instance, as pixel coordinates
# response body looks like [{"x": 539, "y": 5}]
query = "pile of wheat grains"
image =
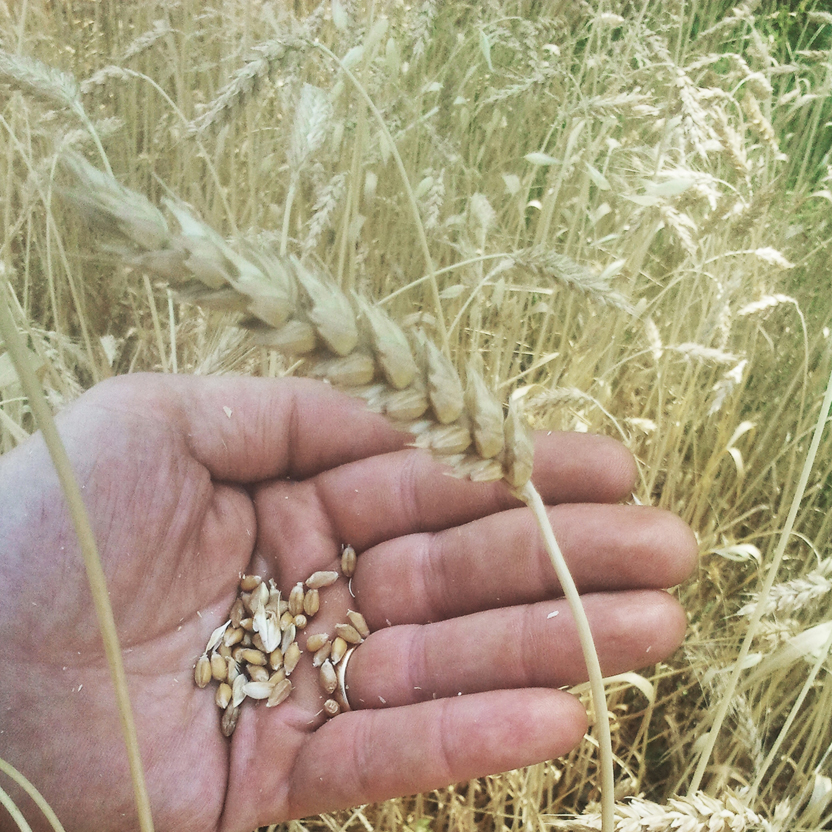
[{"x": 253, "y": 654}]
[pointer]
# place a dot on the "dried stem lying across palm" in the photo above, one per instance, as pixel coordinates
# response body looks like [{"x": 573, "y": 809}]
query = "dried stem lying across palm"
[{"x": 348, "y": 342}]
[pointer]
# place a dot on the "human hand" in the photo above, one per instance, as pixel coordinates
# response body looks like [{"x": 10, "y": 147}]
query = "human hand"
[{"x": 458, "y": 678}]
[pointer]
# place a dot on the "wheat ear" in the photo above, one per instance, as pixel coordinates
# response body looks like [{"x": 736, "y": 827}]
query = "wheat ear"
[{"x": 350, "y": 343}]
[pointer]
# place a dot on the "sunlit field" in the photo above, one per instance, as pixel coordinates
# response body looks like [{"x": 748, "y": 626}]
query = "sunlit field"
[{"x": 622, "y": 209}]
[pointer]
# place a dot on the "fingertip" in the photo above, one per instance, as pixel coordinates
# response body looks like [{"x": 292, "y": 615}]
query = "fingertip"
[
  {"x": 676, "y": 623},
  {"x": 572, "y": 721},
  {"x": 663, "y": 624},
  {"x": 545, "y": 724},
  {"x": 586, "y": 467},
  {"x": 686, "y": 550},
  {"x": 673, "y": 538}
]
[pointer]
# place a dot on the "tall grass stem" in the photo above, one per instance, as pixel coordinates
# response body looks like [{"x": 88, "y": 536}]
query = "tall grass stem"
[
  {"x": 89, "y": 550},
  {"x": 30, "y": 789},
  {"x": 756, "y": 617},
  {"x": 17, "y": 816},
  {"x": 411, "y": 197},
  {"x": 531, "y": 497}
]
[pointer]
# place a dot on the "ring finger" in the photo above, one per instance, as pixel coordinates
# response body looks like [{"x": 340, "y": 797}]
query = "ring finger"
[{"x": 516, "y": 647}]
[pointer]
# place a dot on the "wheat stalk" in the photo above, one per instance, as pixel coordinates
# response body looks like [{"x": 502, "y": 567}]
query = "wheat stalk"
[
  {"x": 350, "y": 343},
  {"x": 89, "y": 552}
]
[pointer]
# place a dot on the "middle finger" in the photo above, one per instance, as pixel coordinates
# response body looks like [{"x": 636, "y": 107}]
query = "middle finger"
[{"x": 500, "y": 561}]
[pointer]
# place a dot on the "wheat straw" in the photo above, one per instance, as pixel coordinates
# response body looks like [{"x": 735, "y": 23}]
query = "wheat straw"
[
  {"x": 30, "y": 789},
  {"x": 785, "y": 535},
  {"x": 89, "y": 552}
]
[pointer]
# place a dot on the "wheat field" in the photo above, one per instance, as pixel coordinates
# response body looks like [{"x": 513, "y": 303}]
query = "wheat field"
[{"x": 622, "y": 209}]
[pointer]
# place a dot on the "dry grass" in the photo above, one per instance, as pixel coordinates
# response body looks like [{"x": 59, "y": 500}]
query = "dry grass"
[{"x": 628, "y": 223}]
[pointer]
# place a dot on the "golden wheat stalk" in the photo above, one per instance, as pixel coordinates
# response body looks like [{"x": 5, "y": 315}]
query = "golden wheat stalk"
[{"x": 350, "y": 343}]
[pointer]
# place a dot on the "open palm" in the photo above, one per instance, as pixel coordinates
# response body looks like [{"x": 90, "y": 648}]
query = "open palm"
[{"x": 190, "y": 482}]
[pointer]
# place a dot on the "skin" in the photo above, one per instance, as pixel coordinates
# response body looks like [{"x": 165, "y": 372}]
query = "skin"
[{"x": 458, "y": 679}]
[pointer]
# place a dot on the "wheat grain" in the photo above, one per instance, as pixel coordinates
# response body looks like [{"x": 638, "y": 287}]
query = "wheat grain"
[
  {"x": 229, "y": 718},
  {"x": 321, "y": 654},
  {"x": 296, "y": 600},
  {"x": 359, "y": 623},
  {"x": 348, "y": 633},
  {"x": 311, "y": 604},
  {"x": 319, "y": 580},
  {"x": 327, "y": 676},
  {"x": 257, "y": 673},
  {"x": 339, "y": 648},
  {"x": 291, "y": 657},
  {"x": 316, "y": 641},
  {"x": 202, "y": 671},
  {"x": 276, "y": 659},
  {"x": 281, "y": 688}
]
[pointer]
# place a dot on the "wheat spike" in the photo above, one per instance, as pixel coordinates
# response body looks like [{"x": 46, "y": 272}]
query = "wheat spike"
[
  {"x": 699, "y": 813},
  {"x": 245, "y": 82},
  {"x": 41, "y": 81},
  {"x": 288, "y": 306}
]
